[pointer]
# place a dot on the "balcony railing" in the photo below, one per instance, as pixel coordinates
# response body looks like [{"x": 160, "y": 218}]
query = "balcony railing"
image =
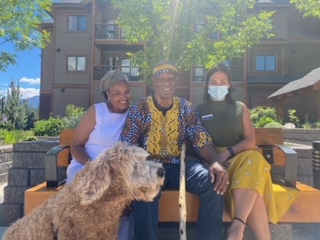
[
  {"x": 132, "y": 73},
  {"x": 108, "y": 31},
  {"x": 199, "y": 74}
]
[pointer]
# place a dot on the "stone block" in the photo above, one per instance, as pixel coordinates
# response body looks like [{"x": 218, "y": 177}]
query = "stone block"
[
  {"x": 6, "y": 149},
  {"x": 14, "y": 194},
  {"x": 304, "y": 152},
  {"x": 3, "y": 157},
  {"x": 35, "y": 146},
  {"x": 62, "y": 173},
  {"x": 9, "y": 213},
  {"x": 18, "y": 177},
  {"x": 37, "y": 176},
  {"x": 4, "y": 166},
  {"x": 28, "y": 160},
  {"x": 3, "y": 177},
  {"x": 304, "y": 166}
]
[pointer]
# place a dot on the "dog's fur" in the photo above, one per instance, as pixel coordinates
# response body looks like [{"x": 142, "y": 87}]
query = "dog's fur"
[{"x": 91, "y": 206}]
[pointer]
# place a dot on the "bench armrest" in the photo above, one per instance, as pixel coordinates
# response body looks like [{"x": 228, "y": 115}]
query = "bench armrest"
[
  {"x": 51, "y": 165},
  {"x": 291, "y": 163}
]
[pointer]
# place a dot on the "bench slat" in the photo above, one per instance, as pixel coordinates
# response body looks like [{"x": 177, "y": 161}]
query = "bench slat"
[{"x": 302, "y": 210}]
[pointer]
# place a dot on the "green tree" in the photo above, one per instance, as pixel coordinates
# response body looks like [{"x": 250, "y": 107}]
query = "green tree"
[
  {"x": 224, "y": 30},
  {"x": 309, "y": 7},
  {"x": 15, "y": 108},
  {"x": 19, "y": 21}
]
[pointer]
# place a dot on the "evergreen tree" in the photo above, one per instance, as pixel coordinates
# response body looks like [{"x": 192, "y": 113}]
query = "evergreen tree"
[{"x": 15, "y": 108}]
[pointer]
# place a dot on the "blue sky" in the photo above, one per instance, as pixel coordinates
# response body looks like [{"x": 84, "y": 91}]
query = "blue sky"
[{"x": 26, "y": 72}]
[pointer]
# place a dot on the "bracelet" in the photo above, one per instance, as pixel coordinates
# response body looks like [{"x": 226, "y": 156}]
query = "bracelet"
[{"x": 231, "y": 151}]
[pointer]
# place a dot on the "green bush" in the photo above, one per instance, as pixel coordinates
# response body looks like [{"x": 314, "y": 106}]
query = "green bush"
[
  {"x": 73, "y": 111},
  {"x": 261, "y": 116},
  {"x": 50, "y": 127},
  {"x": 73, "y": 116},
  {"x": 273, "y": 125},
  {"x": 14, "y": 136},
  {"x": 54, "y": 125}
]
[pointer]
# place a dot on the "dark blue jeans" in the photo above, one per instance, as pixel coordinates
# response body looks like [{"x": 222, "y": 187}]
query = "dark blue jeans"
[{"x": 198, "y": 182}]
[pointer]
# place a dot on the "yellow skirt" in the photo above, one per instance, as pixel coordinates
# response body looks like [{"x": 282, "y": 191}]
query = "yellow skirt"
[{"x": 249, "y": 170}]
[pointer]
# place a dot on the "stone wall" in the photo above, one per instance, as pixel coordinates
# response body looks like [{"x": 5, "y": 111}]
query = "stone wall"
[
  {"x": 301, "y": 136},
  {"x": 28, "y": 169},
  {"x": 5, "y": 162}
]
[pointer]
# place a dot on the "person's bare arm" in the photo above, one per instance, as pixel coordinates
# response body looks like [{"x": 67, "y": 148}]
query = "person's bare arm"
[
  {"x": 81, "y": 135},
  {"x": 218, "y": 173},
  {"x": 249, "y": 139}
]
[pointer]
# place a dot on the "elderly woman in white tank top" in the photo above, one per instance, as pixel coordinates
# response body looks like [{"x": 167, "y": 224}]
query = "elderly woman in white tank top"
[{"x": 100, "y": 129}]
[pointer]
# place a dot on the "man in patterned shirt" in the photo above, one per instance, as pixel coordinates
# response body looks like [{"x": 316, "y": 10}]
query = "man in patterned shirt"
[{"x": 160, "y": 123}]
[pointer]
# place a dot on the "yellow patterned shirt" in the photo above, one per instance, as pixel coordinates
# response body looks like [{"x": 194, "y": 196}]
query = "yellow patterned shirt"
[{"x": 162, "y": 135}]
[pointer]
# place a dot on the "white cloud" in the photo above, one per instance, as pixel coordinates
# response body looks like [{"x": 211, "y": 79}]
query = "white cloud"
[
  {"x": 29, "y": 92},
  {"x": 31, "y": 81}
]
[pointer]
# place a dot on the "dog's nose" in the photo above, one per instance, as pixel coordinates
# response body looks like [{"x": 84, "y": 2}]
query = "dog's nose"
[{"x": 161, "y": 172}]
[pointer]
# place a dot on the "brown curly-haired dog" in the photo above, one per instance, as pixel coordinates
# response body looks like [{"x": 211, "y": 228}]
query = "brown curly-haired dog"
[{"x": 91, "y": 206}]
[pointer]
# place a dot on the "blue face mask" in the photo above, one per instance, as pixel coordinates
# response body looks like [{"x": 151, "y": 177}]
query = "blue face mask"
[{"x": 218, "y": 93}]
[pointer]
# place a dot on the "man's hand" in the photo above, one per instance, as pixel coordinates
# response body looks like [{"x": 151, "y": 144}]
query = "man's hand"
[{"x": 220, "y": 176}]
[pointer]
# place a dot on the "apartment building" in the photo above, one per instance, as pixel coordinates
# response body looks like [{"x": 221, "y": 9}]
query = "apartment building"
[{"x": 86, "y": 43}]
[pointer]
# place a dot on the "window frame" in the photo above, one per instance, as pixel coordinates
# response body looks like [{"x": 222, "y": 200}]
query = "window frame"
[
  {"x": 77, "y": 64},
  {"x": 265, "y": 55},
  {"x": 77, "y": 23}
]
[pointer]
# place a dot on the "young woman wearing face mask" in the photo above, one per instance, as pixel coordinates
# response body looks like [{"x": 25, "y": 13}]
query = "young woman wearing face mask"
[{"x": 251, "y": 194}]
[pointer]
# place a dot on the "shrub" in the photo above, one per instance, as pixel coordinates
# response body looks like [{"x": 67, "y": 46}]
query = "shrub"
[
  {"x": 54, "y": 125},
  {"x": 50, "y": 127},
  {"x": 14, "y": 136},
  {"x": 261, "y": 116},
  {"x": 293, "y": 118},
  {"x": 73, "y": 116},
  {"x": 273, "y": 125}
]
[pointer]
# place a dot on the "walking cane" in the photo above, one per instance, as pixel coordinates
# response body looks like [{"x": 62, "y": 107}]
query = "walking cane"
[{"x": 182, "y": 195}]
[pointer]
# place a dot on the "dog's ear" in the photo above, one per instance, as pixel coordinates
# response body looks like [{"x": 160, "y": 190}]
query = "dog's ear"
[{"x": 92, "y": 185}]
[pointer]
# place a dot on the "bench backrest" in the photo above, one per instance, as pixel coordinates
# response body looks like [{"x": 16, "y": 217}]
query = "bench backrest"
[{"x": 264, "y": 136}]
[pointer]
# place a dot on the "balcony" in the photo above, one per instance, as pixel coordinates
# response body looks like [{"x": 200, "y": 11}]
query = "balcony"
[
  {"x": 109, "y": 31},
  {"x": 132, "y": 73}
]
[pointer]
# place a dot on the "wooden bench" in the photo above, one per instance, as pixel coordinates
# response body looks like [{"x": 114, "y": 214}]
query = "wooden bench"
[{"x": 269, "y": 142}]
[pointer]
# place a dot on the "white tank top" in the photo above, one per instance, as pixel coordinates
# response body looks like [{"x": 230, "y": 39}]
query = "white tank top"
[{"x": 106, "y": 132}]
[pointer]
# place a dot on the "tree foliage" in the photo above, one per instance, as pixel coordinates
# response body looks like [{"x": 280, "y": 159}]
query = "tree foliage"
[
  {"x": 15, "y": 109},
  {"x": 169, "y": 27},
  {"x": 309, "y": 7},
  {"x": 19, "y": 21}
]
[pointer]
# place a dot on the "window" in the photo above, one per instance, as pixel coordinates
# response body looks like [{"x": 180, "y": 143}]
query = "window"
[
  {"x": 77, "y": 23},
  {"x": 199, "y": 74},
  {"x": 131, "y": 72},
  {"x": 266, "y": 63},
  {"x": 76, "y": 64}
]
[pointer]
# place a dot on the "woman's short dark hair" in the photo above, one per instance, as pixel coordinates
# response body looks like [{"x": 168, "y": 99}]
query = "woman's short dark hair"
[{"x": 218, "y": 68}]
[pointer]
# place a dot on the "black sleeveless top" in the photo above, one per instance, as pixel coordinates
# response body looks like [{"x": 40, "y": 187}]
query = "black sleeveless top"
[{"x": 223, "y": 121}]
